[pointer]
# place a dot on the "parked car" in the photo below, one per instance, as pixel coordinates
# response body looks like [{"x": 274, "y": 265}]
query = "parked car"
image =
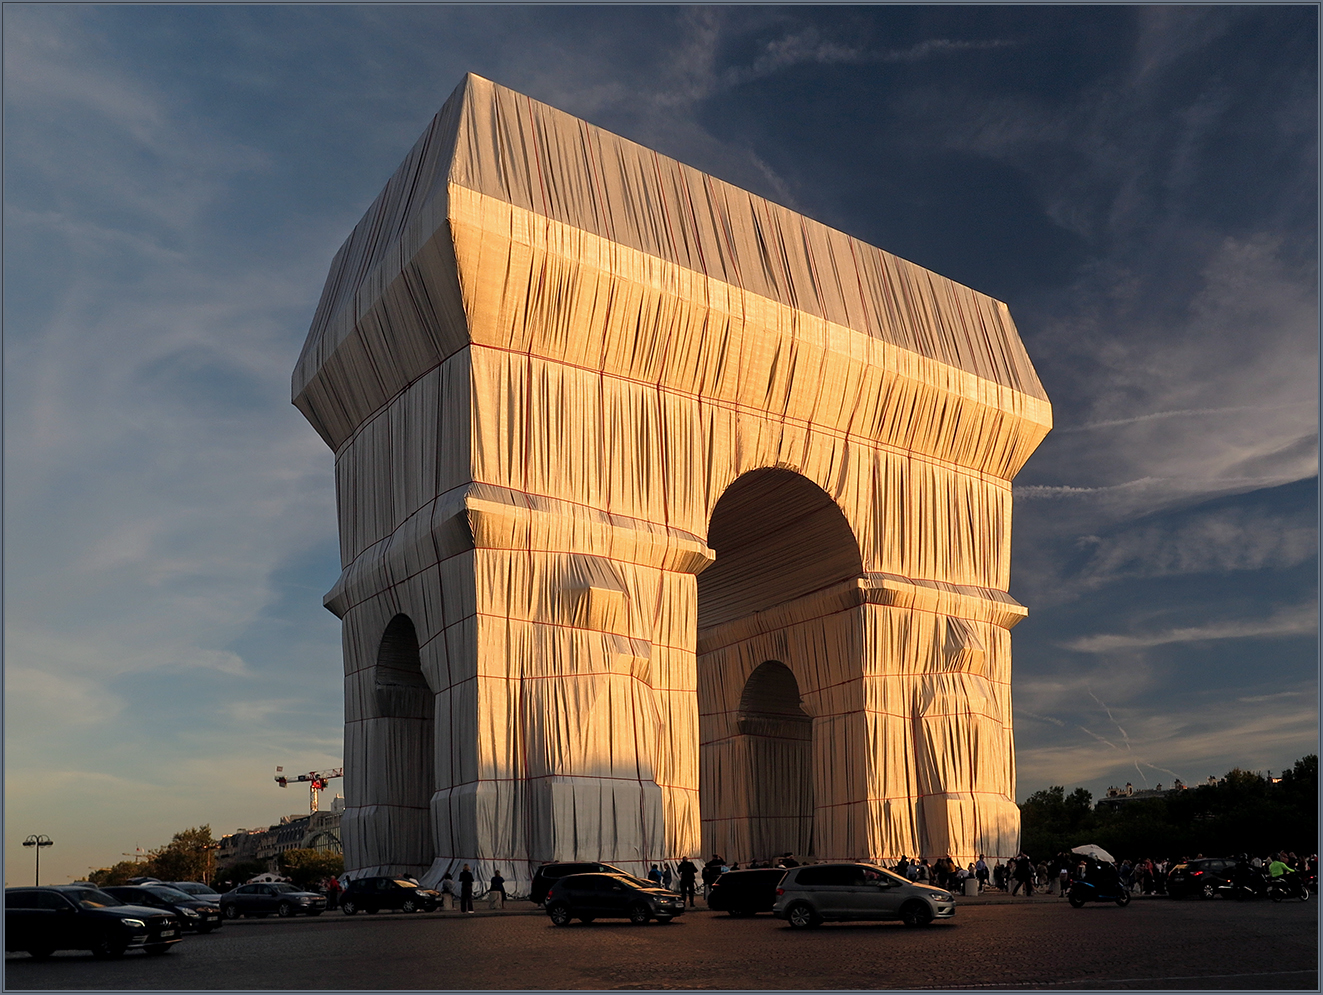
[
  {"x": 375, "y": 894},
  {"x": 746, "y": 892},
  {"x": 197, "y": 889},
  {"x": 610, "y": 896},
  {"x": 810, "y": 895},
  {"x": 556, "y": 870},
  {"x": 71, "y": 917},
  {"x": 267, "y": 897},
  {"x": 1207, "y": 877},
  {"x": 196, "y": 914}
]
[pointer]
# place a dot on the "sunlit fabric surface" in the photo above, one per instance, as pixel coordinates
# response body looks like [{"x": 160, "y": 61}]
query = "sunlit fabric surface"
[{"x": 672, "y": 522}]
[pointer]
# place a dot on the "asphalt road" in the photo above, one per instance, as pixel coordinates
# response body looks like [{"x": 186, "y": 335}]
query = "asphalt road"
[{"x": 1038, "y": 943}]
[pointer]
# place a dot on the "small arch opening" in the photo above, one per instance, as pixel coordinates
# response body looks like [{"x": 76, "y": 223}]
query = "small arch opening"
[
  {"x": 778, "y": 747},
  {"x": 407, "y": 706}
]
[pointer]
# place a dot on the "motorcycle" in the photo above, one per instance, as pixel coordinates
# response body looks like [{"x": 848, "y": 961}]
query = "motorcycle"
[{"x": 1288, "y": 886}]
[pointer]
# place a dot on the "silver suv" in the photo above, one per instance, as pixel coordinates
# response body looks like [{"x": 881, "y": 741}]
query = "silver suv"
[{"x": 810, "y": 895}]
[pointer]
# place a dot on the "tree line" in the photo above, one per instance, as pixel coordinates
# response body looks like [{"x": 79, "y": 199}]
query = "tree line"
[
  {"x": 190, "y": 856},
  {"x": 1245, "y": 812}
]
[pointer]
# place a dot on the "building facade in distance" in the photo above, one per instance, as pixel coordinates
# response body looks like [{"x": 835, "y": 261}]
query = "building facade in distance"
[{"x": 671, "y": 521}]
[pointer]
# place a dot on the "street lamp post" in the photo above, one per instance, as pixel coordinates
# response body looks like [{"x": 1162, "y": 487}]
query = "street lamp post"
[{"x": 38, "y": 840}]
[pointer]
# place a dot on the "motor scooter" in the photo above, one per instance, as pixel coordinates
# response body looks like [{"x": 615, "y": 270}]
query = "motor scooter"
[{"x": 1098, "y": 885}]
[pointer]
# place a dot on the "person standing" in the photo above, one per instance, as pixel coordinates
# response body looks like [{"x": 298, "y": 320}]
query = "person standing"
[
  {"x": 447, "y": 892},
  {"x": 654, "y": 874},
  {"x": 666, "y": 877},
  {"x": 332, "y": 892},
  {"x": 687, "y": 871},
  {"x": 498, "y": 886},
  {"x": 981, "y": 872},
  {"x": 466, "y": 890}
]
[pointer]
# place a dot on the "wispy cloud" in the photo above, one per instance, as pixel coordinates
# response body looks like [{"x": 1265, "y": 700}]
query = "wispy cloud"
[{"x": 1300, "y": 620}]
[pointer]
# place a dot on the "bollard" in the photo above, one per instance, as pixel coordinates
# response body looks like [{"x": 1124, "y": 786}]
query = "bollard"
[
  {"x": 448, "y": 902},
  {"x": 971, "y": 887}
]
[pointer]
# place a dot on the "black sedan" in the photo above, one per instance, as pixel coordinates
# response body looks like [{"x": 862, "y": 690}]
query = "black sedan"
[
  {"x": 75, "y": 917},
  {"x": 375, "y": 894},
  {"x": 193, "y": 913},
  {"x": 746, "y": 892},
  {"x": 610, "y": 896},
  {"x": 260, "y": 900}
]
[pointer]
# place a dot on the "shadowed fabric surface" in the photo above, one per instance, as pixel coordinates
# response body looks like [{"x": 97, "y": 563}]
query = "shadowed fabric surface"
[{"x": 613, "y": 437}]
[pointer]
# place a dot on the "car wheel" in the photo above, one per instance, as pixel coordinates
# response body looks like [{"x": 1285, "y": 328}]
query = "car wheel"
[
  {"x": 109, "y": 948},
  {"x": 639, "y": 915},
  {"x": 156, "y": 949},
  {"x": 349, "y": 908},
  {"x": 1124, "y": 900},
  {"x": 231, "y": 912},
  {"x": 916, "y": 914},
  {"x": 40, "y": 953},
  {"x": 559, "y": 914},
  {"x": 1208, "y": 891},
  {"x": 409, "y": 905},
  {"x": 284, "y": 910},
  {"x": 801, "y": 916},
  {"x": 1076, "y": 902}
]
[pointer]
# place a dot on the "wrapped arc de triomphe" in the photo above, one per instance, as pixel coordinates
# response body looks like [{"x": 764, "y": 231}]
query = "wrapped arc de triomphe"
[{"x": 672, "y": 522}]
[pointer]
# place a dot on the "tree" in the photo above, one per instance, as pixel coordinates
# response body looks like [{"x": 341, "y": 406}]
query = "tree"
[
  {"x": 118, "y": 874},
  {"x": 238, "y": 873},
  {"x": 307, "y": 867},
  {"x": 186, "y": 857}
]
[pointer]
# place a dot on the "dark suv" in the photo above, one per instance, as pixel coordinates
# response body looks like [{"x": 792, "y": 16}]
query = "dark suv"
[
  {"x": 556, "y": 870},
  {"x": 1207, "y": 877},
  {"x": 73, "y": 917},
  {"x": 746, "y": 892},
  {"x": 610, "y": 896},
  {"x": 375, "y": 894}
]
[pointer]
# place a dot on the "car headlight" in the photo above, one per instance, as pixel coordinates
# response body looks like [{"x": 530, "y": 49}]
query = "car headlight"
[
  {"x": 190, "y": 913},
  {"x": 133, "y": 923}
]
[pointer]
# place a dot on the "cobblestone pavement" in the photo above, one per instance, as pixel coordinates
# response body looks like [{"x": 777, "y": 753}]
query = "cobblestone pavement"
[{"x": 993, "y": 942}]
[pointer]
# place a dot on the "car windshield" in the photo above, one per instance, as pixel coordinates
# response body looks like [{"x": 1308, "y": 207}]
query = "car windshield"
[
  {"x": 93, "y": 898},
  {"x": 281, "y": 889},
  {"x": 405, "y": 884},
  {"x": 169, "y": 894},
  {"x": 195, "y": 888}
]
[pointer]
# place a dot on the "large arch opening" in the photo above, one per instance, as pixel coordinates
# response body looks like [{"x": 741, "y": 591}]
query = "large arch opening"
[
  {"x": 779, "y": 540},
  {"x": 408, "y": 709}
]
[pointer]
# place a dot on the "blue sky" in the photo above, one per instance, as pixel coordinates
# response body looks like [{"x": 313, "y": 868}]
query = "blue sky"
[{"x": 1139, "y": 184}]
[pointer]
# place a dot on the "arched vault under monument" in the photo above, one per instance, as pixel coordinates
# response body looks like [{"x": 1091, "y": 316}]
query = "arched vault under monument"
[{"x": 670, "y": 519}]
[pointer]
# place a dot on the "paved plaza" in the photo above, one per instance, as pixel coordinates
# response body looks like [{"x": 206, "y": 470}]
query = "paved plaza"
[{"x": 992, "y": 943}]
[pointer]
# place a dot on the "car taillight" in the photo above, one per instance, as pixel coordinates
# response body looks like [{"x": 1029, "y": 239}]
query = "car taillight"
[
  {"x": 780, "y": 892},
  {"x": 550, "y": 892},
  {"x": 1195, "y": 874}
]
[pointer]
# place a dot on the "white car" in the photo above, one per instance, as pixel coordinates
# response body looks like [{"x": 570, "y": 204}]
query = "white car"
[{"x": 817, "y": 893}]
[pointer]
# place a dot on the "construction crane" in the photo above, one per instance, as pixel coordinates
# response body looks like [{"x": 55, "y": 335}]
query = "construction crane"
[{"x": 317, "y": 781}]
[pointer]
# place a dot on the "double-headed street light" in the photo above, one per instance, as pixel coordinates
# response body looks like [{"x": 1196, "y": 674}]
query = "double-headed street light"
[{"x": 38, "y": 840}]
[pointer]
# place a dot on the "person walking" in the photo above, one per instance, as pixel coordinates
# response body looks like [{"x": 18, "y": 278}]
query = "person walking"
[
  {"x": 466, "y": 890},
  {"x": 498, "y": 886},
  {"x": 687, "y": 871},
  {"x": 333, "y": 890}
]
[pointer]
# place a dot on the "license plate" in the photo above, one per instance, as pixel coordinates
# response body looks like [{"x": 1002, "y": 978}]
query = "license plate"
[{"x": 167, "y": 932}]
